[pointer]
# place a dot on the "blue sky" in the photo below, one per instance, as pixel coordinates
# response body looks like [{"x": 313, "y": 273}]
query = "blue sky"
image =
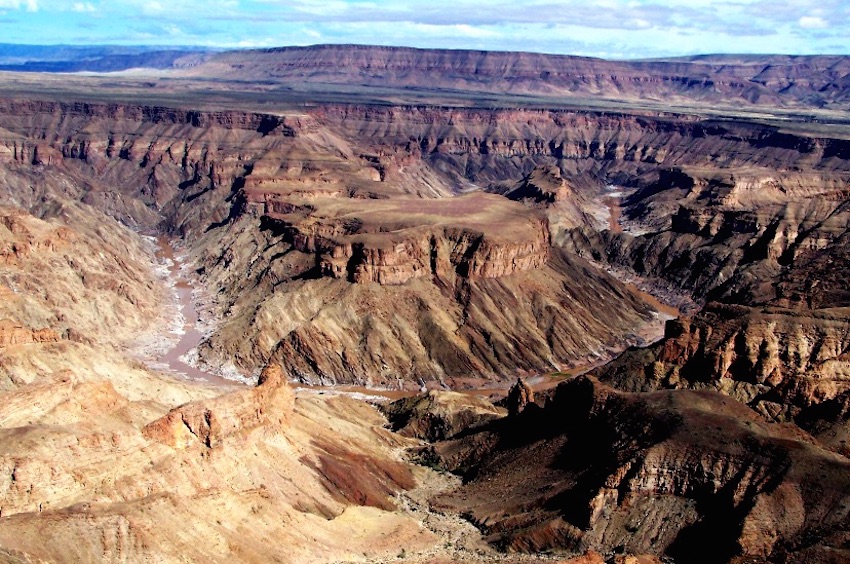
[{"x": 609, "y": 28}]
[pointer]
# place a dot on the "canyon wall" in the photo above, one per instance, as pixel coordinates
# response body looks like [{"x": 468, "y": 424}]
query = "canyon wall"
[{"x": 367, "y": 195}]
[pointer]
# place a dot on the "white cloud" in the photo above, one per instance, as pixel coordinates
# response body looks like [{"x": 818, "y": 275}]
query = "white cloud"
[
  {"x": 30, "y": 5},
  {"x": 153, "y": 8},
  {"x": 639, "y": 23},
  {"x": 812, "y": 22},
  {"x": 620, "y": 28}
]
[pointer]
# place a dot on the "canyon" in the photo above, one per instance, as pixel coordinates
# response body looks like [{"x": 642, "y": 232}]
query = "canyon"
[{"x": 445, "y": 306}]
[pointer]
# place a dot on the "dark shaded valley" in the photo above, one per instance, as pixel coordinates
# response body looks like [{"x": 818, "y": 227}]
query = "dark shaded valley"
[{"x": 490, "y": 307}]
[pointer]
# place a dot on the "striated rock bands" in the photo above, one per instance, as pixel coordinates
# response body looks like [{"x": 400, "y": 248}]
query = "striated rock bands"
[
  {"x": 778, "y": 361},
  {"x": 391, "y": 243}
]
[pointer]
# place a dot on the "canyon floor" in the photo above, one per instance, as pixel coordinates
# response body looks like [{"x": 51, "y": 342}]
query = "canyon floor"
[{"x": 362, "y": 304}]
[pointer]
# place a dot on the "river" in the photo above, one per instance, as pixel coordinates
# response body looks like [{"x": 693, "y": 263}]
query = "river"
[{"x": 189, "y": 336}]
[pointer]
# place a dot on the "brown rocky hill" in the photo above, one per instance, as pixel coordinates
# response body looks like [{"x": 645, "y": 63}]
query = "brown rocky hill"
[
  {"x": 770, "y": 80},
  {"x": 695, "y": 476}
]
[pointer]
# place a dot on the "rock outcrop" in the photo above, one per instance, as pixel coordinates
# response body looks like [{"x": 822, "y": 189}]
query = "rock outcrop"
[
  {"x": 777, "y": 361},
  {"x": 90, "y": 475},
  {"x": 519, "y": 397},
  {"x": 390, "y": 243},
  {"x": 209, "y": 422},
  {"x": 12, "y": 333},
  {"x": 439, "y": 415}
]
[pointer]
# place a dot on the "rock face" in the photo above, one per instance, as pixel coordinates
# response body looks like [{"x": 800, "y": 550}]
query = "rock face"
[
  {"x": 320, "y": 475},
  {"x": 691, "y": 475},
  {"x": 392, "y": 242}
]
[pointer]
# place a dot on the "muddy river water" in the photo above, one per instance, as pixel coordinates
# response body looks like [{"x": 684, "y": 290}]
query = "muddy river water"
[{"x": 190, "y": 335}]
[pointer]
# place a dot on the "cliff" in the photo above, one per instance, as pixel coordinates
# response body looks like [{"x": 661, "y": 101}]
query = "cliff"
[
  {"x": 776, "y": 360},
  {"x": 392, "y": 242}
]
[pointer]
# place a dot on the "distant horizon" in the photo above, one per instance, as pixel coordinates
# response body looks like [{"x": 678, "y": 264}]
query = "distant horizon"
[
  {"x": 211, "y": 49},
  {"x": 608, "y": 29}
]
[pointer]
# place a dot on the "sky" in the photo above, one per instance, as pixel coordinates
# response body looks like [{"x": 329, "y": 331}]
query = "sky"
[{"x": 619, "y": 29}]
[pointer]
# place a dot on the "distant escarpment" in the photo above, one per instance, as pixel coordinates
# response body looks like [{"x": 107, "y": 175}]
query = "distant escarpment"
[
  {"x": 149, "y": 164},
  {"x": 767, "y": 80}
]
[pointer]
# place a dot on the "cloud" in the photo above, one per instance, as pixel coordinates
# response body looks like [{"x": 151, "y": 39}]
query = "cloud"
[
  {"x": 610, "y": 28},
  {"x": 812, "y": 22},
  {"x": 30, "y": 5}
]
